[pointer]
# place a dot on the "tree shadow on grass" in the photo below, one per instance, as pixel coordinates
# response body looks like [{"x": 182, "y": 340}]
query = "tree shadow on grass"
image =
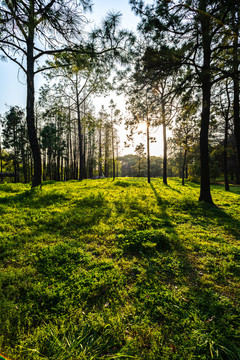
[
  {"x": 78, "y": 219},
  {"x": 34, "y": 199},
  {"x": 82, "y": 216},
  {"x": 161, "y": 202},
  {"x": 201, "y": 213},
  {"x": 208, "y": 215},
  {"x": 216, "y": 316}
]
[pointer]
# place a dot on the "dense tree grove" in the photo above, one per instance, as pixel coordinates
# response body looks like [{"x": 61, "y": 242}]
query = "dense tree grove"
[{"x": 182, "y": 74}]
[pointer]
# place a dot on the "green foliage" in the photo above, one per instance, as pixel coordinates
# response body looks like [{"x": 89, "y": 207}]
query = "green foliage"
[
  {"x": 113, "y": 270},
  {"x": 144, "y": 242}
]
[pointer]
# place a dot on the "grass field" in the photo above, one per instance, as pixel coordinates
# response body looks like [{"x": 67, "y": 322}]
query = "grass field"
[{"x": 119, "y": 270}]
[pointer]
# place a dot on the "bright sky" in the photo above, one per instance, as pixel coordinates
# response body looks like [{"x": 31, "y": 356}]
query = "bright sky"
[
  {"x": 12, "y": 84},
  {"x": 13, "y": 88}
]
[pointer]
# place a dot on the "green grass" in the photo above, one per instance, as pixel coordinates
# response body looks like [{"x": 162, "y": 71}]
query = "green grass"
[{"x": 119, "y": 270}]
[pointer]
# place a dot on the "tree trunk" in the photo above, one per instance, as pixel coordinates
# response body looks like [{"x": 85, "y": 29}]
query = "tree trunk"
[
  {"x": 106, "y": 163},
  {"x": 225, "y": 162},
  {"x": 44, "y": 166},
  {"x": 113, "y": 155},
  {"x": 49, "y": 166},
  {"x": 117, "y": 161},
  {"x": 75, "y": 168},
  {"x": 32, "y": 134},
  {"x": 148, "y": 153},
  {"x": 184, "y": 165},
  {"x": 100, "y": 172},
  {"x": 205, "y": 193},
  {"x": 80, "y": 138},
  {"x": 84, "y": 142},
  {"x": 164, "y": 144},
  {"x": 236, "y": 115}
]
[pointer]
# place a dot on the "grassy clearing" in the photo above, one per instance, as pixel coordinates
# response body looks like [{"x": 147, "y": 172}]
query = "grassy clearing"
[{"x": 119, "y": 270}]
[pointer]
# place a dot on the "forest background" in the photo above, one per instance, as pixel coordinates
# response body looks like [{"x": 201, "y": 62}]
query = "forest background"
[
  {"x": 142, "y": 266},
  {"x": 94, "y": 154}
]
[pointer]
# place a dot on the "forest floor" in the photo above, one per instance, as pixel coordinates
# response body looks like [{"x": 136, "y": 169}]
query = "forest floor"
[{"x": 119, "y": 270}]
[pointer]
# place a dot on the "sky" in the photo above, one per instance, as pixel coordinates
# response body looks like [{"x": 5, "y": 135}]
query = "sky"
[{"x": 13, "y": 84}]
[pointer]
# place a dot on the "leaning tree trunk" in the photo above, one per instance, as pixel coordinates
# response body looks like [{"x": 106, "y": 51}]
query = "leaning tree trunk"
[
  {"x": 32, "y": 134},
  {"x": 205, "y": 193}
]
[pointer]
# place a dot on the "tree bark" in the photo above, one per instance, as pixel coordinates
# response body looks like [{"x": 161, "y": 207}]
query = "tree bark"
[
  {"x": 205, "y": 193},
  {"x": 113, "y": 155},
  {"x": 80, "y": 137},
  {"x": 225, "y": 162},
  {"x": 100, "y": 172},
  {"x": 164, "y": 144},
  {"x": 32, "y": 134},
  {"x": 148, "y": 153},
  {"x": 184, "y": 165},
  {"x": 106, "y": 164},
  {"x": 236, "y": 115}
]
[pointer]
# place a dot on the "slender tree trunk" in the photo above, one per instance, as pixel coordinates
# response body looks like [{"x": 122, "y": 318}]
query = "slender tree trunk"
[
  {"x": 106, "y": 164},
  {"x": 164, "y": 144},
  {"x": 32, "y": 134},
  {"x": 15, "y": 155},
  {"x": 148, "y": 153},
  {"x": 58, "y": 166},
  {"x": 225, "y": 160},
  {"x": 84, "y": 142},
  {"x": 62, "y": 169},
  {"x": 184, "y": 165},
  {"x": 71, "y": 156},
  {"x": 27, "y": 166},
  {"x": 90, "y": 156},
  {"x": 23, "y": 156},
  {"x": 44, "y": 166},
  {"x": 113, "y": 155},
  {"x": 100, "y": 172},
  {"x": 18, "y": 170},
  {"x": 205, "y": 193},
  {"x": 80, "y": 137},
  {"x": 236, "y": 115},
  {"x": 31, "y": 168},
  {"x": 117, "y": 160},
  {"x": 75, "y": 172},
  {"x": 225, "y": 155},
  {"x": 66, "y": 170}
]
